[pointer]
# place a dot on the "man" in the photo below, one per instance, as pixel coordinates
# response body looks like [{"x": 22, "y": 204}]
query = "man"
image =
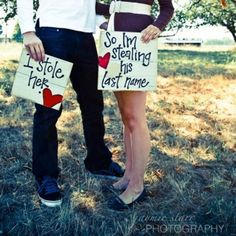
[{"x": 64, "y": 30}]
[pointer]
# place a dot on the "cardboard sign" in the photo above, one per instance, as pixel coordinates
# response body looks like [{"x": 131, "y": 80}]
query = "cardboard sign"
[
  {"x": 126, "y": 63},
  {"x": 42, "y": 82}
]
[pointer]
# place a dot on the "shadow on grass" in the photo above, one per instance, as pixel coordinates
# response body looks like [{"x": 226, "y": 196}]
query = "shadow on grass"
[
  {"x": 180, "y": 193},
  {"x": 187, "y": 185}
]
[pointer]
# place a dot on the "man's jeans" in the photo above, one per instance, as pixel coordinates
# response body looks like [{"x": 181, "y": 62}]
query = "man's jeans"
[{"x": 78, "y": 48}]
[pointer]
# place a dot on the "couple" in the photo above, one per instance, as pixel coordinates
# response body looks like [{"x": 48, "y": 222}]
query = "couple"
[{"x": 64, "y": 29}]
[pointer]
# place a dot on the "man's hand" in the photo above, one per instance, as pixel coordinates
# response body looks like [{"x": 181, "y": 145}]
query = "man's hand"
[
  {"x": 34, "y": 46},
  {"x": 151, "y": 32}
]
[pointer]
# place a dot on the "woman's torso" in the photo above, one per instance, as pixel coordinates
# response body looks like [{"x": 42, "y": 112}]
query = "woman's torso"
[{"x": 133, "y": 22}]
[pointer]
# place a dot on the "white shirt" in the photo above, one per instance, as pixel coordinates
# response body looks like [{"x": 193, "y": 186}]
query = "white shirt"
[{"x": 76, "y": 15}]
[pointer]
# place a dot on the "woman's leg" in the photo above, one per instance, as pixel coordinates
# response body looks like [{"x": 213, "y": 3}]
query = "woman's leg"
[
  {"x": 133, "y": 115},
  {"x": 122, "y": 183}
]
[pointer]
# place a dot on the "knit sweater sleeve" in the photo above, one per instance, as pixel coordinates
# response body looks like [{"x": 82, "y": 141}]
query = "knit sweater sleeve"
[{"x": 166, "y": 13}]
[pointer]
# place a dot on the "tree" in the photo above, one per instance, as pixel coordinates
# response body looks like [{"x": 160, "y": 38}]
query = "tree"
[
  {"x": 17, "y": 34},
  {"x": 210, "y": 12},
  {"x": 9, "y": 7}
]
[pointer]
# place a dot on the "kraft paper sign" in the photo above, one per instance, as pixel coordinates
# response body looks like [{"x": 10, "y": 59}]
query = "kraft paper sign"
[
  {"x": 126, "y": 63},
  {"x": 42, "y": 82}
]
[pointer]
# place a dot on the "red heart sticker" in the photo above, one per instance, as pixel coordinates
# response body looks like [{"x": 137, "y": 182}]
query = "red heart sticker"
[
  {"x": 50, "y": 100},
  {"x": 104, "y": 61}
]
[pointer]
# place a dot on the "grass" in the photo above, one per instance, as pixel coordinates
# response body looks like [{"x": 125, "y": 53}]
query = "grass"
[
  {"x": 197, "y": 64},
  {"x": 191, "y": 176}
]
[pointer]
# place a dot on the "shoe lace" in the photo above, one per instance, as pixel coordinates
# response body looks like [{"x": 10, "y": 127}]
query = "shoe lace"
[{"x": 49, "y": 185}]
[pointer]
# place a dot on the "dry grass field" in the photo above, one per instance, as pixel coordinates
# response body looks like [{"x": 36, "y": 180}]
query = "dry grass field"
[{"x": 191, "y": 176}]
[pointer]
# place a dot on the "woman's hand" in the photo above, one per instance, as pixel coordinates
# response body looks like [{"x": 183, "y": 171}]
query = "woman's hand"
[{"x": 149, "y": 33}]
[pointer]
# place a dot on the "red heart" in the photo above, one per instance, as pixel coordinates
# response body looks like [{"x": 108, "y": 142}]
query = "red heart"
[
  {"x": 103, "y": 61},
  {"x": 50, "y": 100}
]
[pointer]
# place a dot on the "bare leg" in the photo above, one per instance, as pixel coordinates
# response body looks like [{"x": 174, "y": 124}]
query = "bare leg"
[
  {"x": 123, "y": 182},
  {"x": 133, "y": 115}
]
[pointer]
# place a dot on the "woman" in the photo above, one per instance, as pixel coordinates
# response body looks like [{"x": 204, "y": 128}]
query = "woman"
[{"x": 134, "y": 16}]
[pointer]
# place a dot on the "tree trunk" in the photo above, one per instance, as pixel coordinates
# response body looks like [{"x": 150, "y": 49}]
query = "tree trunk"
[{"x": 232, "y": 30}]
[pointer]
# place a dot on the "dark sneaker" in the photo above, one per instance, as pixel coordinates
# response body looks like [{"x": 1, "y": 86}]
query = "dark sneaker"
[
  {"x": 113, "y": 171},
  {"x": 48, "y": 191}
]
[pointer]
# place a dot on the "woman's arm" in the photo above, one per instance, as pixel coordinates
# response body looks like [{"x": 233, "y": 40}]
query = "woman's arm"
[
  {"x": 102, "y": 9},
  {"x": 154, "y": 30},
  {"x": 166, "y": 13}
]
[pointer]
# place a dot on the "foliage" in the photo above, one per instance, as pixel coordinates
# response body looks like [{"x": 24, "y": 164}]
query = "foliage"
[
  {"x": 17, "y": 34},
  {"x": 211, "y": 12},
  {"x": 9, "y": 7}
]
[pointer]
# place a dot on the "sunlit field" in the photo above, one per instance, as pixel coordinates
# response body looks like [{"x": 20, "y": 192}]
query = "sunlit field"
[{"x": 191, "y": 175}]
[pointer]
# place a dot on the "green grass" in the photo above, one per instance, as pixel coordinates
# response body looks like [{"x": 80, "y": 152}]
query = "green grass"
[
  {"x": 7, "y": 72},
  {"x": 197, "y": 64},
  {"x": 191, "y": 175}
]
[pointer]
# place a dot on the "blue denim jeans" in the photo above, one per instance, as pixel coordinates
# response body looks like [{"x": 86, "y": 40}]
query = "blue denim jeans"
[{"x": 78, "y": 48}]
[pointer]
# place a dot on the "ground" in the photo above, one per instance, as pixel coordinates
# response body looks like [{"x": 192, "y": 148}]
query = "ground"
[{"x": 191, "y": 175}]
